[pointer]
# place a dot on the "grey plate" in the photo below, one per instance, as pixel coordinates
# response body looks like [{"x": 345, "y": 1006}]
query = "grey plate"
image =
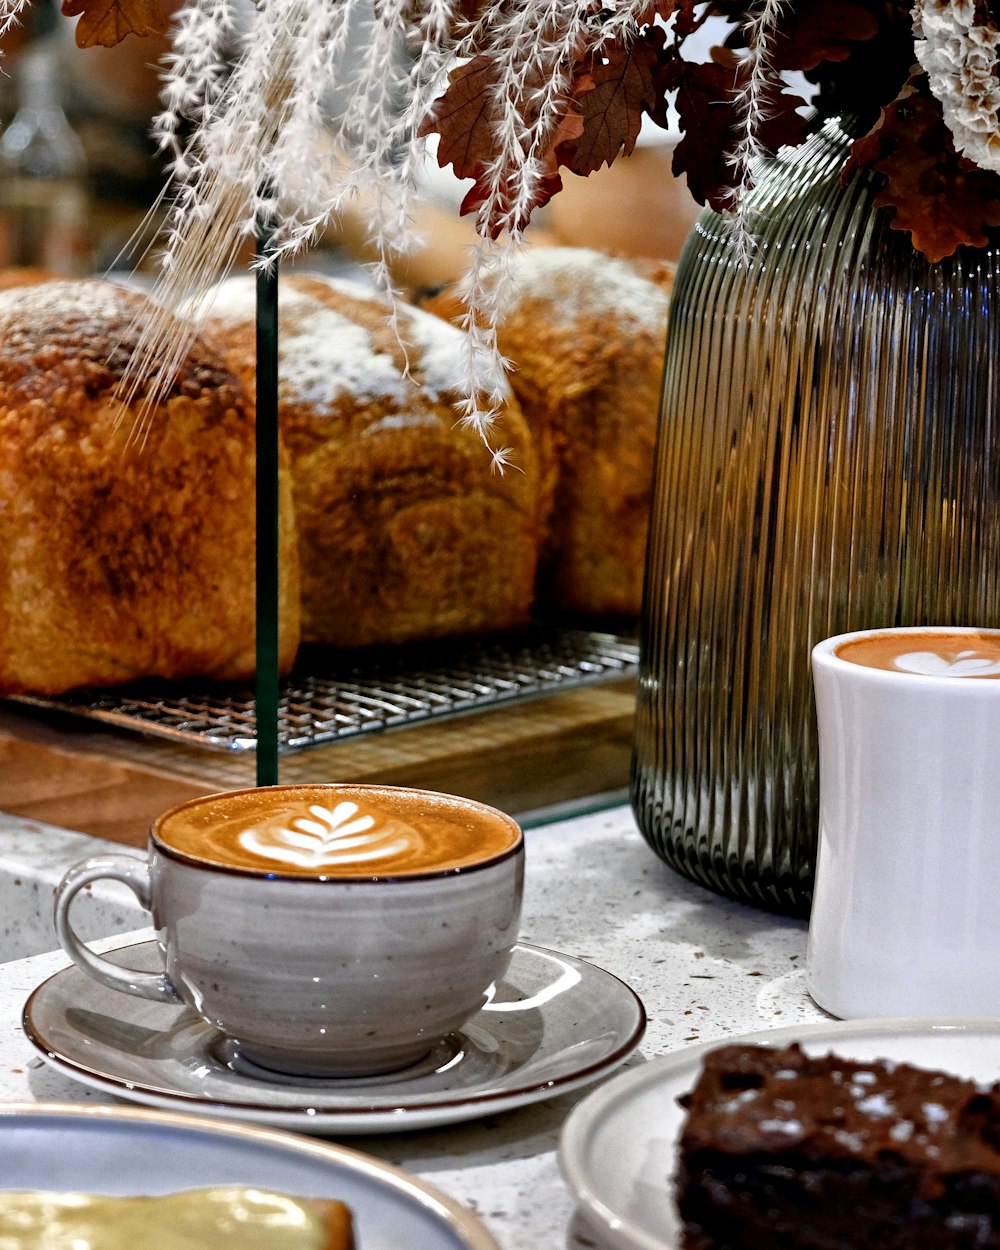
[
  {"x": 555, "y": 1024},
  {"x": 127, "y": 1150},
  {"x": 618, "y": 1147}
]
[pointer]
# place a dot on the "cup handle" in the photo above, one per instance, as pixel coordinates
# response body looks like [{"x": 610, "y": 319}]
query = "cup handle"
[{"x": 132, "y": 871}]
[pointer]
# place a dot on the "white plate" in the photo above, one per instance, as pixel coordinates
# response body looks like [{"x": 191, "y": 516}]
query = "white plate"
[
  {"x": 554, "y": 1024},
  {"x": 618, "y": 1146},
  {"x": 126, "y": 1150}
]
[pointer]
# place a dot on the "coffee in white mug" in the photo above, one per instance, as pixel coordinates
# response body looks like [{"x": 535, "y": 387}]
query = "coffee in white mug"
[
  {"x": 926, "y": 653},
  {"x": 903, "y": 919}
]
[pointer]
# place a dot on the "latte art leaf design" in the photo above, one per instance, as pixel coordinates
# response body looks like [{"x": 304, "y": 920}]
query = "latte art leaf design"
[
  {"x": 326, "y": 838},
  {"x": 962, "y": 664}
]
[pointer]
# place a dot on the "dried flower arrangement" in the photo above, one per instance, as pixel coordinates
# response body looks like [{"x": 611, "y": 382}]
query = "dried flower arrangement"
[{"x": 515, "y": 90}]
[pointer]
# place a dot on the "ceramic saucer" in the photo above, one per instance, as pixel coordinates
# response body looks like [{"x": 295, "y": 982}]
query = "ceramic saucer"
[{"x": 554, "y": 1024}]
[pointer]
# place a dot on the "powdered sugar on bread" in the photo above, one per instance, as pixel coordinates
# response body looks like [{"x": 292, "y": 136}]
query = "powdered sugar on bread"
[
  {"x": 95, "y": 300},
  {"x": 437, "y": 348},
  {"x": 332, "y": 355},
  {"x": 434, "y": 347},
  {"x": 572, "y": 280},
  {"x": 326, "y": 354}
]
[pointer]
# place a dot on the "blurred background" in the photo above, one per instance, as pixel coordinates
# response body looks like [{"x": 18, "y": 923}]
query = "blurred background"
[{"x": 79, "y": 172}]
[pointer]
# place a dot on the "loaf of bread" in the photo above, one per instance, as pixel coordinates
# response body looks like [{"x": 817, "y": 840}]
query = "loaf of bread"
[
  {"x": 585, "y": 335},
  {"x": 122, "y": 559},
  {"x": 231, "y": 1217},
  {"x": 406, "y": 530}
]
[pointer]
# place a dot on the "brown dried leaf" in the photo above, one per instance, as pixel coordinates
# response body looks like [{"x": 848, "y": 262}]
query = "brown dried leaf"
[
  {"x": 664, "y": 9},
  {"x": 477, "y": 195},
  {"x": 690, "y": 15},
  {"x": 815, "y": 31},
  {"x": 705, "y": 104},
  {"x": 108, "y": 22},
  {"x": 940, "y": 198},
  {"x": 463, "y": 116},
  {"x": 620, "y": 90}
]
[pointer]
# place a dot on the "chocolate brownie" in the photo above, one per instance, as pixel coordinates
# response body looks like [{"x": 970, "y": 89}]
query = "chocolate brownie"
[{"x": 780, "y": 1151}]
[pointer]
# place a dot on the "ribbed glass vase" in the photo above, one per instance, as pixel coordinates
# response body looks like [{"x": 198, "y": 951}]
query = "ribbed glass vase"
[{"x": 828, "y": 460}]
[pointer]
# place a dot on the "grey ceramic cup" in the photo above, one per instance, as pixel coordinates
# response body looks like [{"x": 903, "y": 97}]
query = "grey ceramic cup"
[{"x": 326, "y": 976}]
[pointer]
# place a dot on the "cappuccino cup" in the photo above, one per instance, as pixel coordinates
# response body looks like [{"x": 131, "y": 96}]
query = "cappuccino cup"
[
  {"x": 904, "y": 912},
  {"x": 323, "y": 930}
]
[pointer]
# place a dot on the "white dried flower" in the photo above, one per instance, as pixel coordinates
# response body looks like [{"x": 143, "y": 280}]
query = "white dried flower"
[
  {"x": 958, "y": 47},
  {"x": 761, "y": 79},
  {"x": 10, "y": 12},
  {"x": 323, "y": 106}
]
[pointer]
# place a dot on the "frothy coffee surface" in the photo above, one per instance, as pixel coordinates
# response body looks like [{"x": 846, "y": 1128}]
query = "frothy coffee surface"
[
  {"x": 938, "y": 654},
  {"x": 337, "y": 831}
]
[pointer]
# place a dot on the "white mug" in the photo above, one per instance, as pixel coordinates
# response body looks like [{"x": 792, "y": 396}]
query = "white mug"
[
  {"x": 328, "y": 930},
  {"x": 905, "y": 917}
]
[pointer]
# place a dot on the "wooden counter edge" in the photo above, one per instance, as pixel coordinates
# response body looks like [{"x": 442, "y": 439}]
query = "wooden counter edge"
[{"x": 524, "y": 756}]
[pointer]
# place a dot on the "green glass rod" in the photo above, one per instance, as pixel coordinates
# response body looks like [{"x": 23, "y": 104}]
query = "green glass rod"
[{"x": 267, "y": 683}]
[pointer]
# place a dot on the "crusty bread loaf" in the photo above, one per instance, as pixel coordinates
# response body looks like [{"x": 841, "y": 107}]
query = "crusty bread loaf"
[
  {"x": 406, "y": 531},
  {"x": 585, "y": 334},
  {"x": 122, "y": 561},
  {"x": 230, "y": 1217}
]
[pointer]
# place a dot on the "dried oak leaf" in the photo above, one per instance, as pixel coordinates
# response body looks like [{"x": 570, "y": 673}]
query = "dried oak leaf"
[
  {"x": 941, "y": 198},
  {"x": 815, "y": 31},
  {"x": 107, "y": 22},
  {"x": 470, "y": 10},
  {"x": 463, "y": 119},
  {"x": 502, "y": 217},
  {"x": 690, "y": 17},
  {"x": 705, "y": 103},
  {"x": 499, "y": 220},
  {"x": 664, "y": 9},
  {"x": 624, "y": 87}
]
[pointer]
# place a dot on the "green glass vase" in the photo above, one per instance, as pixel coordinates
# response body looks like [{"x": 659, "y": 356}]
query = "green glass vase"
[{"x": 827, "y": 460}]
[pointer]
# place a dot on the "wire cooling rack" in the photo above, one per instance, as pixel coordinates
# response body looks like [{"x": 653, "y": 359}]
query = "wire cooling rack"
[{"x": 335, "y": 695}]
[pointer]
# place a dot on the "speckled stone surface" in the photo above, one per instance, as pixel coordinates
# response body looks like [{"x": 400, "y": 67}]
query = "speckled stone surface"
[
  {"x": 705, "y": 968},
  {"x": 33, "y": 858}
]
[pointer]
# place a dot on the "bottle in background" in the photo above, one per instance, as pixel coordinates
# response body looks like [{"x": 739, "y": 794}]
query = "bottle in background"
[{"x": 44, "y": 206}]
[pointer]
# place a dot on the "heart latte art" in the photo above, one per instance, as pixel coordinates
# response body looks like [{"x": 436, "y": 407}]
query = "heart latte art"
[
  {"x": 339, "y": 831},
  {"x": 325, "y": 837},
  {"x": 931, "y": 653},
  {"x": 962, "y": 664}
]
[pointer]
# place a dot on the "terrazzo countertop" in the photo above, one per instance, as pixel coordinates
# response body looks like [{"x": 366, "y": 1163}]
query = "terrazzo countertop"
[
  {"x": 33, "y": 858},
  {"x": 705, "y": 968}
]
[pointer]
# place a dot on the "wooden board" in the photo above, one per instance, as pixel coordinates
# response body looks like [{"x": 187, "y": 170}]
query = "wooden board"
[{"x": 550, "y": 751}]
